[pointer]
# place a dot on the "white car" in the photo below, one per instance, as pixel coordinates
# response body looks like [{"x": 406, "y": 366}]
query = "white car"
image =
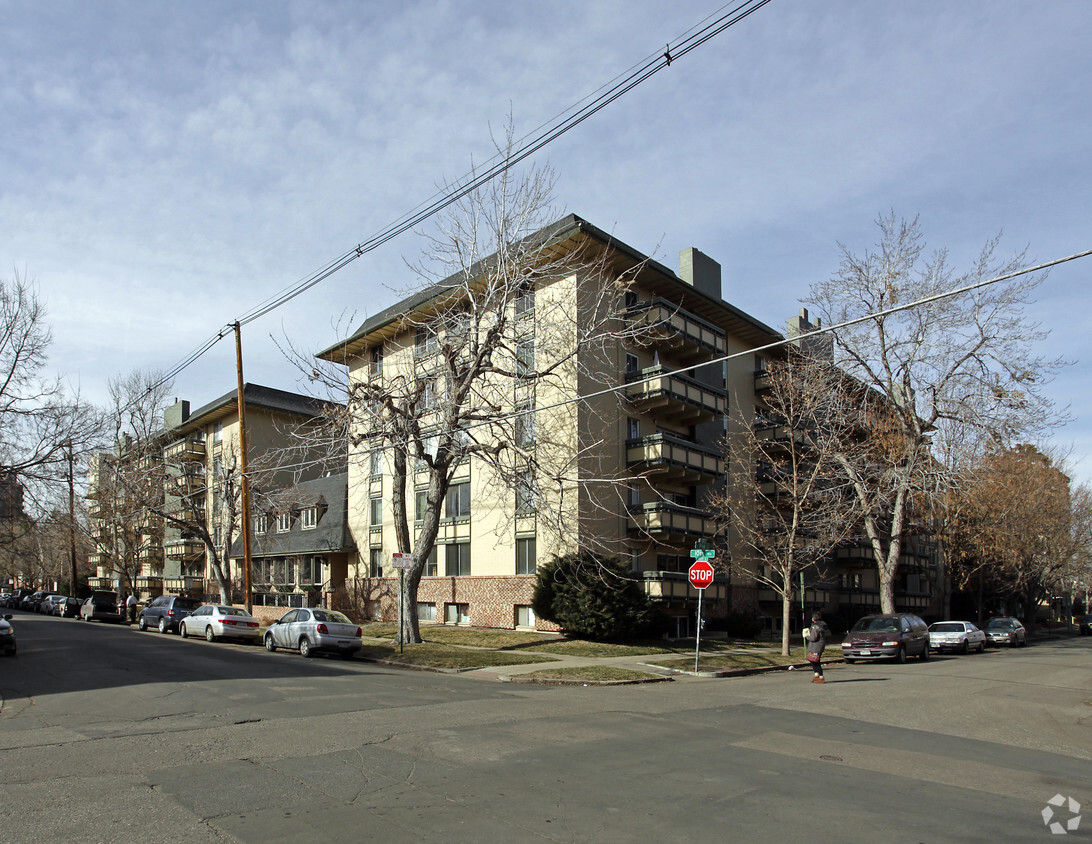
[
  {"x": 219, "y": 621},
  {"x": 314, "y": 631},
  {"x": 959, "y": 636}
]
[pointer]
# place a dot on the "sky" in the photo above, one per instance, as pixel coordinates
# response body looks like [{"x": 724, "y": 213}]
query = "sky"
[{"x": 166, "y": 167}]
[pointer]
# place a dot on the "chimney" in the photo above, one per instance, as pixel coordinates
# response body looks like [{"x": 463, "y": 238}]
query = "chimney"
[
  {"x": 700, "y": 271},
  {"x": 176, "y": 414}
]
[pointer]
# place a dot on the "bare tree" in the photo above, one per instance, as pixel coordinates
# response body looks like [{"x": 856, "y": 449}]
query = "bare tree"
[
  {"x": 963, "y": 360},
  {"x": 788, "y": 505},
  {"x": 473, "y": 374}
]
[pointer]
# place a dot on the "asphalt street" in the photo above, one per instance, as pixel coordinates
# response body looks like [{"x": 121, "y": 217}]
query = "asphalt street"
[{"x": 113, "y": 735}]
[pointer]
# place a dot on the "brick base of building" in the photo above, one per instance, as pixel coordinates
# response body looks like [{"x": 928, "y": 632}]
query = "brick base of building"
[{"x": 478, "y": 601}]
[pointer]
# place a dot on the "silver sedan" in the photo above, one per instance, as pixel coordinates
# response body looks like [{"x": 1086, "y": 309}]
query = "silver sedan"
[
  {"x": 960, "y": 636},
  {"x": 219, "y": 621},
  {"x": 312, "y": 631}
]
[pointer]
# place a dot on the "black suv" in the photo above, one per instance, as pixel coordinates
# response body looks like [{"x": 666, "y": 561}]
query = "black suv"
[
  {"x": 165, "y": 612},
  {"x": 888, "y": 636}
]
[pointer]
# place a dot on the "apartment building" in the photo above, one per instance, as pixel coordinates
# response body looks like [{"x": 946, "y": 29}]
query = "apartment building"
[
  {"x": 163, "y": 509},
  {"x": 623, "y": 445}
]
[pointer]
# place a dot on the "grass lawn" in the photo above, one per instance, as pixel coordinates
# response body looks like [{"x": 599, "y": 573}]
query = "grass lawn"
[
  {"x": 433, "y": 655},
  {"x": 727, "y": 661}
]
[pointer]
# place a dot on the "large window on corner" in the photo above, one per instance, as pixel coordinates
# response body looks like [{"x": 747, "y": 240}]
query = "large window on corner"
[
  {"x": 526, "y": 558},
  {"x": 458, "y": 501}
]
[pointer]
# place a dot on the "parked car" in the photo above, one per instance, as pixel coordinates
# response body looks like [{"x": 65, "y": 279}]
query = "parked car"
[
  {"x": 102, "y": 606},
  {"x": 7, "y": 636},
  {"x": 68, "y": 608},
  {"x": 892, "y": 636},
  {"x": 30, "y": 602},
  {"x": 314, "y": 630},
  {"x": 48, "y": 606},
  {"x": 16, "y": 600},
  {"x": 166, "y": 612},
  {"x": 1084, "y": 624},
  {"x": 1004, "y": 630},
  {"x": 957, "y": 636},
  {"x": 215, "y": 621}
]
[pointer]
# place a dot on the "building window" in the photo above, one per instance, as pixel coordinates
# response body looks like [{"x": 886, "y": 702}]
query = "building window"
[
  {"x": 425, "y": 341},
  {"x": 375, "y": 562},
  {"x": 428, "y": 394},
  {"x": 526, "y": 494},
  {"x": 426, "y": 612},
  {"x": 375, "y": 511},
  {"x": 217, "y": 536},
  {"x": 525, "y": 616},
  {"x": 633, "y": 429},
  {"x": 429, "y": 445},
  {"x": 458, "y": 501},
  {"x": 632, "y": 299},
  {"x": 308, "y": 517},
  {"x": 526, "y": 557},
  {"x": 525, "y": 298},
  {"x": 525, "y": 358},
  {"x": 525, "y": 426},
  {"x": 311, "y": 570},
  {"x": 420, "y": 504},
  {"x": 284, "y": 522},
  {"x": 633, "y": 366},
  {"x": 633, "y": 495},
  {"x": 457, "y": 559},
  {"x": 261, "y": 524},
  {"x": 218, "y": 432},
  {"x": 375, "y": 462},
  {"x": 429, "y": 569},
  {"x": 375, "y": 364},
  {"x": 457, "y": 613}
]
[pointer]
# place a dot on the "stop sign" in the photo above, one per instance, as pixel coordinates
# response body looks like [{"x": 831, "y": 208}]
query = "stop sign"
[{"x": 701, "y": 574}]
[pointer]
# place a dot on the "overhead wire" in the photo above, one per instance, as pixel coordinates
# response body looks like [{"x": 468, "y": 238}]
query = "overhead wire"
[{"x": 531, "y": 143}]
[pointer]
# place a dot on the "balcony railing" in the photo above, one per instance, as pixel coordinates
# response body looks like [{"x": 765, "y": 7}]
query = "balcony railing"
[
  {"x": 677, "y": 398},
  {"x": 183, "y": 549},
  {"x": 674, "y": 458},
  {"x": 663, "y": 325},
  {"x": 151, "y": 554},
  {"x": 185, "y": 485},
  {"x": 187, "y": 449},
  {"x": 675, "y": 586},
  {"x": 666, "y": 519}
]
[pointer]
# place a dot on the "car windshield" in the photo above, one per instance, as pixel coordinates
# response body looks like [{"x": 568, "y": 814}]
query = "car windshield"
[
  {"x": 878, "y": 624},
  {"x": 1000, "y": 624},
  {"x": 332, "y": 616},
  {"x": 946, "y": 627},
  {"x": 186, "y": 603},
  {"x": 232, "y": 611}
]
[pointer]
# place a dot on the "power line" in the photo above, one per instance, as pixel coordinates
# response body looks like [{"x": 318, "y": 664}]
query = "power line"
[{"x": 533, "y": 142}]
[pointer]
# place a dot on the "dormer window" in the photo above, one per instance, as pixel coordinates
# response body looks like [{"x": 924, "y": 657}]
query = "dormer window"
[
  {"x": 308, "y": 517},
  {"x": 284, "y": 522},
  {"x": 261, "y": 524}
]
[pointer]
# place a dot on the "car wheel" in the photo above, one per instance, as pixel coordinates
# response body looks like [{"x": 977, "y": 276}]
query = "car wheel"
[
  {"x": 209, "y": 635},
  {"x": 981, "y": 647},
  {"x": 182, "y": 630},
  {"x": 1014, "y": 642},
  {"x": 163, "y": 624},
  {"x": 925, "y": 654},
  {"x": 851, "y": 662},
  {"x": 900, "y": 655},
  {"x": 269, "y": 646},
  {"x": 141, "y": 624},
  {"x": 964, "y": 648},
  {"x": 305, "y": 647}
]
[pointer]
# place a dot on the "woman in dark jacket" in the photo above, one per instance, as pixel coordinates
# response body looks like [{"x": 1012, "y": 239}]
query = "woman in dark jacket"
[{"x": 817, "y": 641}]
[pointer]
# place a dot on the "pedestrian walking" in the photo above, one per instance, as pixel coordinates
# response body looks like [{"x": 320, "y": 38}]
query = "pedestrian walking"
[
  {"x": 817, "y": 641},
  {"x": 130, "y": 607}
]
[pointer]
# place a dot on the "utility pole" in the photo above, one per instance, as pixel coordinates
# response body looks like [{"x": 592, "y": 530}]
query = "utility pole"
[
  {"x": 244, "y": 485},
  {"x": 72, "y": 516}
]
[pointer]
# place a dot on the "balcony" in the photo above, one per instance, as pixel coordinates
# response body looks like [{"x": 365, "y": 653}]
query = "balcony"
[
  {"x": 185, "y": 450},
  {"x": 663, "y": 326},
  {"x": 185, "y": 485},
  {"x": 150, "y": 583},
  {"x": 186, "y": 550},
  {"x": 675, "y": 398},
  {"x": 671, "y": 458},
  {"x": 97, "y": 560},
  {"x": 150, "y": 554},
  {"x": 675, "y": 586},
  {"x": 666, "y": 520}
]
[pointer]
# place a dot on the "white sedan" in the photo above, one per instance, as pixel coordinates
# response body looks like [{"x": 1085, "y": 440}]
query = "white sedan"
[
  {"x": 216, "y": 621},
  {"x": 961, "y": 636}
]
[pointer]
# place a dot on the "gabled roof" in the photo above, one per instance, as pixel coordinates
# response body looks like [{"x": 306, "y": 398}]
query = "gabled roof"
[
  {"x": 256, "y": 397},
  {"x": 330, "y": 535},
  {"x": 655, "y": 276}
]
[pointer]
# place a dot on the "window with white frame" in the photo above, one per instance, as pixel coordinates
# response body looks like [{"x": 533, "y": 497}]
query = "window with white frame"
[
  {"x": 525, "y": 298},
  {"x": 457, "y": 613},
  {"x": 633, "y": 365},
  {"x": 426, "y": 612},
  {"x": 375, "y": 562},
  {"x": 525, "y": 616},
  {"x": 526, "y": 494},
  {"x": 525, "y": 425},
  {"x": 308, "y": 517},
  {"x": 420, "y": 504},
  {"x": 284, "y": 522},
  {"x": 526, "y": 556},
  {"x": 375, "y": 364},
  {"x": 525, "y": 357},
  {"x": 429, "y": 569},
  {"x": 261, "y": 523},
  {"x": 633, "y": 428},
  {"x": 375, "y": 462},
  {"x": 375, "y": 511},
  {"x": 426, "y": 342}
]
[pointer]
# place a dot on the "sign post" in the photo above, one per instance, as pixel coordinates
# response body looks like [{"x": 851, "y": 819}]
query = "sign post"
[
  {"x": 700, "y": 576},
  {"x": 401, "y": 562}
]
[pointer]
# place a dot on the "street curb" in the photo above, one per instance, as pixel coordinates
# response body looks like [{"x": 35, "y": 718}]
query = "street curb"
[
  {"x": 543, "y": 681},
  {"x": 742, "y": 672}
]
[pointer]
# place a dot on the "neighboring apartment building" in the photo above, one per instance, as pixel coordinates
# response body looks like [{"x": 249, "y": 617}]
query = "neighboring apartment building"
[
  {"x": 657, "y": 438},
  {"x": 188, "y": 475},
  {"x": 846, "y": 584}
]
